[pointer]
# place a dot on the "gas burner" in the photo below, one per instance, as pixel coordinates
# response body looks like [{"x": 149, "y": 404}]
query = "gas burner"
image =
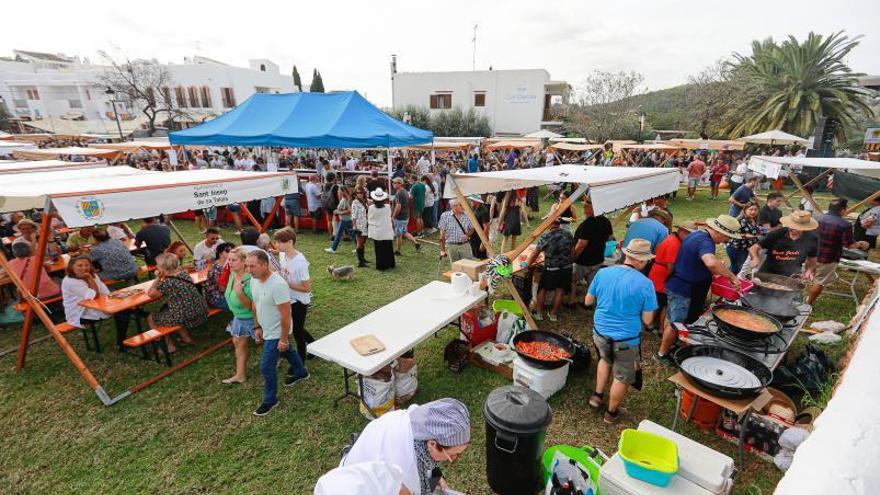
[{"x": 708, "y": 332}]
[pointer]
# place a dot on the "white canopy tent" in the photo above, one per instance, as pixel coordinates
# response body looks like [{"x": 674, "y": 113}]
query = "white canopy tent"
[
  {"x": 115, "y": 194},
  {"x": 770, "y": 166},
  {"x": 7, "y": 147},
  {"x": 542, "y": 134},
  {"x": 611, "y": 188},
  {"x": 45, "y": 153},
  {"x": 569, "y": 140},
  {"x": 14, "y": 167},
  {"x": 774, "y": 137},
  {"x": 565, "y": 146}
]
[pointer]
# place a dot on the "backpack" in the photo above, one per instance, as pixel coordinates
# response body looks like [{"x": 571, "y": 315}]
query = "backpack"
[{"x": 329, "y": 199}]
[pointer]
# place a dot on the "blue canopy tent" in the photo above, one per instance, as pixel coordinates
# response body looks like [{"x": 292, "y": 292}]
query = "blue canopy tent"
[{"x": 306, "y": 120}]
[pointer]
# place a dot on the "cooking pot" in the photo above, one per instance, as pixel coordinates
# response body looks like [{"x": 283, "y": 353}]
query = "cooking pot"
[
  {"x": 542, "y": 336},
  {"x": 741, "y": 332},
  {"x": 722, "y": 371},
  {"x": 781, "y": 308}
]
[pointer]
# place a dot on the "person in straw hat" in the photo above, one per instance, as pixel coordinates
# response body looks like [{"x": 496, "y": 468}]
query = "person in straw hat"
[
  {"x": 691, "y": 277},
  {"x": 790, "y": 247},
  {"x": 379, "y": 229},
  {"x": 625, "y": 300}
]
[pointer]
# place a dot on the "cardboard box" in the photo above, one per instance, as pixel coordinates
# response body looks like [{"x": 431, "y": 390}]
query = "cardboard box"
[{"x": 471, "y": 268}]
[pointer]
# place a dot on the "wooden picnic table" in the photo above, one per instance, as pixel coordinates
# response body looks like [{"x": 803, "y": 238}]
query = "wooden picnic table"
[{"x": 112, "y": 303}]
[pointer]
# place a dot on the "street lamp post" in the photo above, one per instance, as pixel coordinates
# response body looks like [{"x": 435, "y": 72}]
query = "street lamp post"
[{"x": 112, "y": 95}]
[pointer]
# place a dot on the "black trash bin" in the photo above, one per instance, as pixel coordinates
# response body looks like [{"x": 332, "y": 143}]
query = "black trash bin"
[{"x": 516, "y": 422}]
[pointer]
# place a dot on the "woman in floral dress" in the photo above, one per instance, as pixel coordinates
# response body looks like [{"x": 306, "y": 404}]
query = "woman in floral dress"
[{"x": 184, "y": 304}]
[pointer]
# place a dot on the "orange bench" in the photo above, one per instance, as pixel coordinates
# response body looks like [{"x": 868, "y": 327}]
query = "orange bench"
[
  {"x": 156, "y": 336},
  {"x": 21, "y": 306}
]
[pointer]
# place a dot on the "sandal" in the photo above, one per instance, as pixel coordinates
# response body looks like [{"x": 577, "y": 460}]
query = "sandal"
[
  {"x": 232, "y": 381},
  {"x": 596, "y": 400}
]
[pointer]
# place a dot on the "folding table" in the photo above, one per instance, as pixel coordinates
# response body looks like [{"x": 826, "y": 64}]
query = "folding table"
[{"x": 399, "y": 325}]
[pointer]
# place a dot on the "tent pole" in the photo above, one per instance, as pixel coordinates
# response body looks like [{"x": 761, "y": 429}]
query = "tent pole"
[
  {"x": 44, "y": 318},
  {"x": 797, "y": 183},
  {"x": 390, "y": 171},
  {"x": 580, "y": 191},
  {"x": 271, "y": 215},
  {"x": 862, "y": 203},
  {"x": 501, "y": 214},
  {"x": 810, "y": 183},
  {"x": 39, "y": 257},
  {"x": 250, "y": 216},
  {"x": 491, "y": 252},
  {"x": 623, "y": 215},
  {"x": 179, "y": 235}
]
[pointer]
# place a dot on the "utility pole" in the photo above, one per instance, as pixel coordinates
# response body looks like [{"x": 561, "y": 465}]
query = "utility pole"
[{"x": 474, "y": 57}]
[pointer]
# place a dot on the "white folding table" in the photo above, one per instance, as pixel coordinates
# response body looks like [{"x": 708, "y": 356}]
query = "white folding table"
[
  {"x": 399, "y": 325},
  {"x": 857, "y": 267}
]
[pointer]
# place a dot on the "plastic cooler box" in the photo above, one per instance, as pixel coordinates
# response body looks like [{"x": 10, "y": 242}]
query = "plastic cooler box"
[
  {"x": 545, "y": 382},
  {"x": 613, "y": 480}
]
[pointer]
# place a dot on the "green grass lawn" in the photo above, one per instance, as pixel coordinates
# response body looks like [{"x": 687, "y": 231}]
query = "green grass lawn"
[{"x": 189, "y": 434}]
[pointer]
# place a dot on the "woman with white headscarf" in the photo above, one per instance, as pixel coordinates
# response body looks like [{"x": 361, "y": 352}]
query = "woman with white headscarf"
[
  {"x": 416, "y": 439},
  {"x": 367, "y": 478}
]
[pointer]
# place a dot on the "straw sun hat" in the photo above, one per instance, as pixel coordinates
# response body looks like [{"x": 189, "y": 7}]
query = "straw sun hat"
[
  {"x": 725, "y": 225},
  {"x": 799, "y": 220},
  {"x": 639, "y": 249}
]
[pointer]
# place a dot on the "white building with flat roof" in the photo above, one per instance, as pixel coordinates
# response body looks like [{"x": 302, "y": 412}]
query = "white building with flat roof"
[
  {"x": 62, "y": 94},
  {"x": 515, "y": 101}
]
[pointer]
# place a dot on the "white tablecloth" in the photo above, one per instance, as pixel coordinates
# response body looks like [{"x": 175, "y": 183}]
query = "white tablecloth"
[{"x": 400, "y": 326}]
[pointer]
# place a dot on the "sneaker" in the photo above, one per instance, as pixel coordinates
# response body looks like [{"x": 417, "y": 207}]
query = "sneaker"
[
  {"x": 612, "y": 419},
  {"x": 418, "y": 246},
  {"x": 665, "y": 360},
  {"x": 537, "y": 317},
  {"x": 291, "y": 380},
  {"x": 595, "y": 401},
  {"x": 354, "y": 251},
  {"x": 264, "y": 409},
  {"x": 552, "y": 317},
  {"x": 330, "y": 250}
]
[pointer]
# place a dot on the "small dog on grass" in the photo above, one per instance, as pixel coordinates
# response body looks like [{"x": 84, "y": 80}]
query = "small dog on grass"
[{"x": 344, "y": 272}]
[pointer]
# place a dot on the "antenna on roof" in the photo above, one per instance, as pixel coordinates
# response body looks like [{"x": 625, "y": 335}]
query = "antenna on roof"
[{"x": 474, "y": 57}]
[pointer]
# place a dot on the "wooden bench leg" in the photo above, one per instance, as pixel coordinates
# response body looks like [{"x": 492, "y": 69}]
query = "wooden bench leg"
[{"x": 164, "y": 347}]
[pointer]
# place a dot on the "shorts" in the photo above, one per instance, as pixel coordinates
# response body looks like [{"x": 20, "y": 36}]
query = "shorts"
[
  {"x": 292, "y": 207},
  {"x": 693, "y": 182},
  {"x": 585, "y": 272},
  {"x": 624, "y": 358},
  {"x": 241, "y": 327},
  {"x": 662, "y": 301},
  {"x": 556, "y": 279},
  {"x": 678, "y": 307},
  {"x": 316, "y": 214},
  {"x": 234, "y": 207},
  {"x": 825, "y": 274},
  {"x": 400, "y": 227}
]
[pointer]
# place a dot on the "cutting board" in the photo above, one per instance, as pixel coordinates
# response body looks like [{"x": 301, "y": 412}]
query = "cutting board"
[{"x": 367, "y": 345}]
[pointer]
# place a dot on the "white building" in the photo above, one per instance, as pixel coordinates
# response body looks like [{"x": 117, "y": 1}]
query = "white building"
[
  {"x": 61, "y": 94},
  {"x": 515, "y": 101}
]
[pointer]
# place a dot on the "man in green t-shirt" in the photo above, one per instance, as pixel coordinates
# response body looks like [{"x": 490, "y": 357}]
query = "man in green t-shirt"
[
  {"x": 272, "y": 325},
  {"x": 79, "y": 239}
]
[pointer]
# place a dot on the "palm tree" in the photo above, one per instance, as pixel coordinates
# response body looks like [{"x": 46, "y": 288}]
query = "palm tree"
[{"x": 789, "y": 86}]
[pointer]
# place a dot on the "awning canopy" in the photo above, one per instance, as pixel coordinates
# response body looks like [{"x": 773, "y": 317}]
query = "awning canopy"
[
  {"x": 542, "y": 134},
  {"x": 569, "y": 140},
  {"x": 6, "y": 145},
  {"x": 774, "y": 137},
  {"x": 708, "y": 144},
  {"x": 654, "y": 147},
  {"x": 132, "y": 146},
  {"x": 574, "y": 146},
  {"x": 771, "y": 165},
  {"x": 44, "y": 153},
  {"x": 116, "y": 194},
  {"x": 442, "y": 146},
  {"x": 513, "y": 144},
  {"x": 611, "y": 188},
  {"x": 14, "y": 167},
  {"x": 311, "y": 120}
]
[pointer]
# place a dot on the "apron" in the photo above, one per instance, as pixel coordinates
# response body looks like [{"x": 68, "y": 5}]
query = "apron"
[{"x": 389, "y": 439}]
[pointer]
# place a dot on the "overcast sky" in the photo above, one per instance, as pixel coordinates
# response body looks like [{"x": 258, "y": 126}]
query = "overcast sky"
[{"x": 351, "y": 42}]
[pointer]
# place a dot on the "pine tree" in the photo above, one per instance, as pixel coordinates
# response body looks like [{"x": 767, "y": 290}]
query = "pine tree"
[
  {"x": 297, "y": 82},
  {"x": 317, "y": 85}
]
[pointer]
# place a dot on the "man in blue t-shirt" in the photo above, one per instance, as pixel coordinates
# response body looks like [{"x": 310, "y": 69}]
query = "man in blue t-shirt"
[
  {"x": 743, "y": 195},
  {"x": 624, "y": 300},
  {"x": 691, "y": 277},
  {"x": 473, "y": 164},
  {"x": 653, "y": 229}
]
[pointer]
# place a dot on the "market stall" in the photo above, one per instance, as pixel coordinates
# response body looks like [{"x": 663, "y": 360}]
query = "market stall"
[
  {"x": 49, "y": 153},
  {"x": 708, "y": 144},
  {"x": 773, "y": 166},
  {"x": 342, "y": 119},
  {"x": 774, "y": 138},
  {"x": 116, "y": 194}
]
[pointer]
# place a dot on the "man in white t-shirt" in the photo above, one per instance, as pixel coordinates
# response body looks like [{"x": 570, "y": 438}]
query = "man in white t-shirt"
[
  {"x": 351, "y": 164},
  {"x": 424, "y": 166},
  {"x": 207, "y": 248}
]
